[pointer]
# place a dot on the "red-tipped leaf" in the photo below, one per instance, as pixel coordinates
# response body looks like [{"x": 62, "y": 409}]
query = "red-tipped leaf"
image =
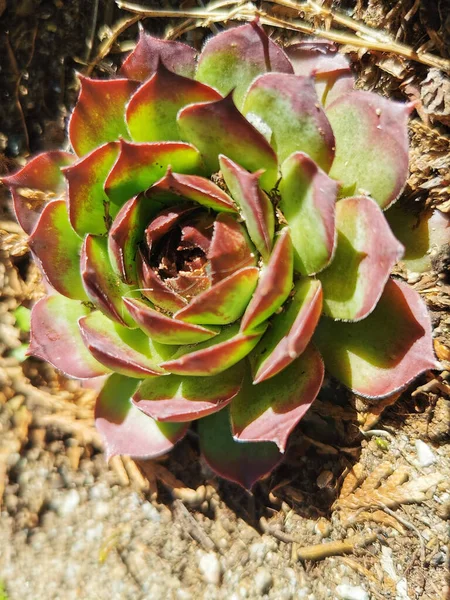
[
  {"x": 57, "y": 248},
  {"x": 224, "y": 302},
  {"x": 274, "y": 284},
  {"x": 143, "y": 61},
  {"x": 177, "y": 398},
  {"x": 371, "y": 145},
  {"x": 308, "y": 199},
  {"x": 290, "y": 331},
  {"x": 270, "y": 411},
  {"x": 90, "y": 210},
  {"x": 242, "y": 462},
  {"x": 214, "y": 356},
  {"x": 164, "y": 329},
  {"x": 55, "y": 337},
  {"x": 152, "y": 111},
  {"x": 99, "y": 115},
  {"x": 140, "y": 165},
  {"x": 289, "y": 105},
  {"x": 174, "y": 186},
  {"x": 233, "y": 58},
  {"x": 127, "y": 430},
  {"x": 384, "y": 352},
  {"x": 255, "y": 205},
  {"x": 219, "y": 128},
  {"x": 123, "y": 350},
  {"x": 37, "y": 183}
]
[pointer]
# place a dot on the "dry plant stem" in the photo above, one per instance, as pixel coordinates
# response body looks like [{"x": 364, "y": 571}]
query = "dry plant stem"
[
  {"x": 409, "y": 526},
  {"x": 367, "y": 38},
  {"x": 107, "y": 45},
  {"x": 347, "y": 546}
]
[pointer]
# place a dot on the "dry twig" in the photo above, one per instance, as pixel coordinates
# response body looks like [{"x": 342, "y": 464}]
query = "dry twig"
[{"x": 365, "y": 37}]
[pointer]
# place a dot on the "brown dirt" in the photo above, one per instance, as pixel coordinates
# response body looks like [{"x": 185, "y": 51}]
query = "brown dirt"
[{"x": 72, "y": 527}]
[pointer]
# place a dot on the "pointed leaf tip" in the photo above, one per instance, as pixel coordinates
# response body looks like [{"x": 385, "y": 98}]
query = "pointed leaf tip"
[
  {"x": 233, "y": 58},
  {"x": 241, "y": 462},
  {"x": 255, "y": 205},
  {"x": 40, "y": 181},
  {"x": 219, "y": 128},
  {"x": 143, "y": 61},
  {"x": 99, "y": 115},
  {"x": 269, "y": 411}
]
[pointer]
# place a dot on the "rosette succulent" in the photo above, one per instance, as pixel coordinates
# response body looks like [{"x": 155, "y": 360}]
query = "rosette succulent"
[{"x": 216, "y": 239}]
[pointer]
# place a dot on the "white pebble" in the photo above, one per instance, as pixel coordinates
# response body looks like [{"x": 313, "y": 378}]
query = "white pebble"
[
  {"x": 263, "y": 581},
  {"x": 210, "y": 568},
  {"x": 351, "y": 592},
  {"x": 425, "y": 455},
  {"x": 67, "y": 503}
]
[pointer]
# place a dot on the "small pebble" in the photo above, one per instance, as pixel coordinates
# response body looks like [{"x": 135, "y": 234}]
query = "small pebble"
[
  {"x": 66, "y": 503},
  {"x": 263, "y": 581},
  {"x": 351, "y": 592},
  {"x": 425, "y": 455},
  {"x": 210, "y": 568}
]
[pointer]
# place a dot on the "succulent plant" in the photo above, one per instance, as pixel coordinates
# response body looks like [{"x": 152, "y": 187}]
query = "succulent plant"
[{"x": 215, "y": 238}]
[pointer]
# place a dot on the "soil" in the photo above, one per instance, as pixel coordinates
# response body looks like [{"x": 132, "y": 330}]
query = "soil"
[{"x": 367, "y": 483}]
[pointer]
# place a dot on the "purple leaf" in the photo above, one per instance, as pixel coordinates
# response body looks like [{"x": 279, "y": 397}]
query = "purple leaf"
[
  {"x": 127, "y": 430},
  {"x": 269, "y": 411}
]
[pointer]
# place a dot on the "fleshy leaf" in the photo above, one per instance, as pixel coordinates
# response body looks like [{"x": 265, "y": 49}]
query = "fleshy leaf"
[
  {"x": 165, "y": 221},
  {"x": 127, "y": 232},
  {"x": 178, "y": 398},
  {"x": 218, "y": 128},
  {"x": 126, "y": 351},
  {"x": 103, "y": 286},
  {"x": 127, "y": 430},
  {"x": 308, "y": 199},
  {"x": 383, "y": 353},
  {"x": 143, "y": 61},
  {"x": 330, "y": 69},
  {"x": 140, "y": 165},
  {"x": 224, "y": 302},
  {"x": 230, "y": 248},
  {"x": 55, "y": 337},
  {"x": 424, "y": 236},
  {"x": 289, "y": 105},
  {"x": 232, "y": 59},
  {"x": 316, "y": 57},
  {"x": 89, "y": 206},
  {"x": 274, "y": 284},
  {"x": 153, "y": 287},
  {"x": 255, "y": 205},
  {"x": 99, "y": 115},
  {"x": 242, "y": 462},
  {"x": 164, "y": 329},
  {"x": 290, "y": 331},
  {"x": 152, "y": 111},
  {"x": 173, "y": 186},
  {"x": 216, "y": 355},
  {"x": 371, "y": 145},
  {"x": 269, "y": 411},
  {"x": 365, "y": 255},
  {"x": 37, "y": 183},
  {"x": 57, "y": 249}
]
